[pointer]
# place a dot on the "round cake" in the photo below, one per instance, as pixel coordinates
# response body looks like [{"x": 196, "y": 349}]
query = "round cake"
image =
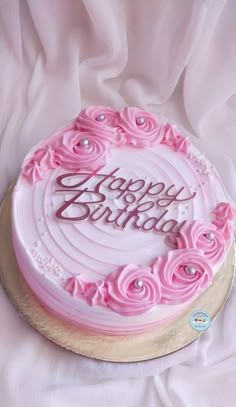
[{"x": 119, "y": 222}]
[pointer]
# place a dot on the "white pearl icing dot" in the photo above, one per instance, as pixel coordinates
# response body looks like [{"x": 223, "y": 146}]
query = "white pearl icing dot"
[
  {"x": 210, "y": 235},
  {"x": 100, "y": 117},
  {"x": 138, "y": 283},
  {"x": 190, "y": 270},
  {"x": 140, "y": 120},
  {"x": 84, "y": 142}
]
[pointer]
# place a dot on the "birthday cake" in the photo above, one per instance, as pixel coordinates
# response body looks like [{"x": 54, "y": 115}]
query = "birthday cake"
[{"x": 119, "y": 222}]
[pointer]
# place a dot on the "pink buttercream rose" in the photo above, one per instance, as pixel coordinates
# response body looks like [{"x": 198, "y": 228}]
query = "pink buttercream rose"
[
  {"x": 99, "y": 120},
  {"x": 182, "y": 274},
  {"x": 80, "y": 150},
  {"x": 139, "y": 128},
  {"x": 172, "y": 137},
  {"x": 202, "y": 236},
  {"x": 124, "y": 294},
  {"x": 44, "y": 158}
]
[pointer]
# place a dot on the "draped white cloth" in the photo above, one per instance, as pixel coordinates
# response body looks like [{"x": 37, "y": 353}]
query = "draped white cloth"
[{"x": 175, "y": 58}]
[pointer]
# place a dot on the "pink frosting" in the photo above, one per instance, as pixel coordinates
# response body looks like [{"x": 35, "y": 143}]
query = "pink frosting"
[
  {"x": 134, "y": 131},
  {"x": 198, "y": 245},
  {"x": 74, "y": 156},
  {"x": 89, "y": 119},
  {"x": 177, "y": 285},
  {"x": 118, "y": 291},
  {"x": 33, "y": 172},
  {"x": 225, "y": 228},
  {"x": 75, "y": 286},
  {"x": 125, "y": 298},
  {"x": 96, "y": 293},
  {"x": 172, "y": 138},
  {"x": 46, "y": 156},
  {"x": 224, "y": 213},
  {"x": 99, "y": 120},
  {"x": 197, "y": 235},
  {"x": 104, "y": 128},
  {"x": 43, "y": 159}
]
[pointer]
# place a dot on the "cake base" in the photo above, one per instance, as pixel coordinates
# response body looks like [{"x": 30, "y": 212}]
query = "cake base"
[{"x": 132, "y": 348}]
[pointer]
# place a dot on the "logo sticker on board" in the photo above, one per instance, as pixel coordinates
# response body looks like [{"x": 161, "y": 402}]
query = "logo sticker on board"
[{"x": 200, "y": 320}]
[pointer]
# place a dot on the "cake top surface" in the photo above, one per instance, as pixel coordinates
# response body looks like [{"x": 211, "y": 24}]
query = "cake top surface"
[{"x": 125, "y": 212}]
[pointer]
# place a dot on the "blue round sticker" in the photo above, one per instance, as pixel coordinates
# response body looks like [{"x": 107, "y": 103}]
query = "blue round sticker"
[{"x": 200, "y": 320}]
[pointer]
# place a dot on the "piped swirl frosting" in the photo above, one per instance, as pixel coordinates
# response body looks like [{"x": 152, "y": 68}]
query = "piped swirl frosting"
[
  {"x": 172, "y": 279},
  {"x": 44, "y": 158},
  {"x": 124, "y": 297},
  {"x": 81, "y": 150},
  {"x": 177, "y": 285},
  {"x": 139, "y": 128},
  {"x": 99, "y": 120},
  {"x": 167, "y": 281},
  {"x": 103, "y": 128},
  {"x": 203, "y": 236},
  {"x": 224, "y": 213},
  {"x": 172, "y": 137}
]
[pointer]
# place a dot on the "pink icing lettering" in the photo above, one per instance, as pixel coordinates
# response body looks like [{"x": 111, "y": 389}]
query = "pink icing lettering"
[
  {"x": 139, "y": 184},
  {"x": 154, "y": 221},
  {"x": 129, "y": 198},
  {"x": 170, "y": 198},
  {"x": 101, "y": 215},
  {"x": 117, "y": 217},
  {"x": 63, "y": 177},
  {"x": 144, "y": 207},
  {"x": 105, "y": 177},
  {"x": 119, "y": 181},
  {"x": 149, "y": 190},
  {"x": 126, "y": 188},
  {"x": 107, "y": 215},
  {"x": 82, "y": 206},
  {"x": 171, "y": 223}
]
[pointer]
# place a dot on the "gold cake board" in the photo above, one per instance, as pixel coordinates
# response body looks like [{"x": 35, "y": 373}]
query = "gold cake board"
[{"x": 154, "y": 343}]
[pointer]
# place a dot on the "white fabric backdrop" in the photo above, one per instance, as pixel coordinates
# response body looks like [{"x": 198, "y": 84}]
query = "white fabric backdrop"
[{"x": 175, "y": 58}]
